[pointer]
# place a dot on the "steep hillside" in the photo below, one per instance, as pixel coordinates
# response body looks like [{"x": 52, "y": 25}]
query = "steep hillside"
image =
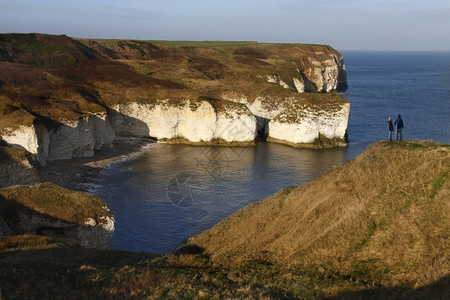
[
  {"x": 382, "y": 217},
  {"x": 374, "y": 228},
  {"x": 58, "y": 78}
]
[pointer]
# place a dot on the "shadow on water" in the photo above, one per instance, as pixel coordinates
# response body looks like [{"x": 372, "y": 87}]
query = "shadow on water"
[{"x": 171, "y": 192}]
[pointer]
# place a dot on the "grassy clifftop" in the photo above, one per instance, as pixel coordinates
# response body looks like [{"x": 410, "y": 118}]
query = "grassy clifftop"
[
  {"x": 383, "y": 215},
  {"x": 53, "y": 201},
  {"x": 376, "y": 227},
  {"x": 59, "y": 78}
]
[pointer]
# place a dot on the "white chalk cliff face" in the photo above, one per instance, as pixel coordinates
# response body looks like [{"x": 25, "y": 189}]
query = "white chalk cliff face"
[
  {"x": 282, "y": 119},
  {"x": 320, "y": 76},
  {"x": 195, "y": 121},
  {"x": 311, "y": 126},
  {"x": 282, "y": 115},
  {"x": 296, "y": 122},
  {"x": 191, "y": 120},
  {"x": 70, "y": 139},
  {"x": 33, "y": 138}
]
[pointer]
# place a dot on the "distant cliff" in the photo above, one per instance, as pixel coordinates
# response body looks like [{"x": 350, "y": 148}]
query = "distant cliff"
[{"x": 62, "y": 97}]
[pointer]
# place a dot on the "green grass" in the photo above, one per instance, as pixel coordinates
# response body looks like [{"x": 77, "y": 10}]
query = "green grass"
[
  {"x": 29, "y": 43},
  {"x": 202, "y": 44},
  {"x": 438, "y": 184},
  {"x": 79, "y": 78}
]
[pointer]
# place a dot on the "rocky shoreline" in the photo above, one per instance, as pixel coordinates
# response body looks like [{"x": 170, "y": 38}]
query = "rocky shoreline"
[{"x": 76, "y": 173}]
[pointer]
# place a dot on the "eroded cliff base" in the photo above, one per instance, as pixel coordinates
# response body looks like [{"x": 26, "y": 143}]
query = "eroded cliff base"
[{"x": 62, "y": 97}]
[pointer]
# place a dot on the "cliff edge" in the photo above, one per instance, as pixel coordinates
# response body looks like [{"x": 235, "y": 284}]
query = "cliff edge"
[
  {"x": 62, "y": 97},
  {"x": 382, "y": 216},
  {"x": 64, "y": 215}
]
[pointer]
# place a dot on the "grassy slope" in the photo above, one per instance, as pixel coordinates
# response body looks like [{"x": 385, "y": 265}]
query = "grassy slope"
[
  {"x": 53, "y": 201},
  {"x": 384, "y": 214},
  {"x": 374, "y": 227}
]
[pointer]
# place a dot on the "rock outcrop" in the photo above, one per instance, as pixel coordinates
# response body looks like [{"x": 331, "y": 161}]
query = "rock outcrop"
[
  {"x": 66, "y": 216},
  {"x": 316, "y": 75},
  {"x": 304, "y": 125},
  {"x": 78, "y": 138},
  {"x": 299, "y": 120},
  {"x": 17, "y": 166}
]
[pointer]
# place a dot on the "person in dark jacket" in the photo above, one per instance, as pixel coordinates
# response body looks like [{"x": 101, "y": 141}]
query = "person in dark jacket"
[
  {"x": 390, "y": 128},
  {"x": 398, "y": 128}
]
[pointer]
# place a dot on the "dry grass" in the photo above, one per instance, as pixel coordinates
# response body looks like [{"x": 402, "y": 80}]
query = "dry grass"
[
  {"x": 24, "y": 242},
  {"x": 382, "y": 216},
  {"x": 375, "y": 228},
  {"x": 53, "y": 201},
  {"x": 60, "y": 78}
]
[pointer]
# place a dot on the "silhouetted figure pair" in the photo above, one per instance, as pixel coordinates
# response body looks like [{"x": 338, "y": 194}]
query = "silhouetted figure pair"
[{"x": 398, "y": 128}]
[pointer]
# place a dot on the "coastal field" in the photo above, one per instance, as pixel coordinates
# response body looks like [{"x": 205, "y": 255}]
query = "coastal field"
[{"x": 375, "y": 227}]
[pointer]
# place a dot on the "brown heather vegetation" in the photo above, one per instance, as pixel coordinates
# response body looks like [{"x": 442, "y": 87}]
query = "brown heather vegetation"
[
  {"x": 56, "y": 78},
  {"x": 375, "y": 228}
]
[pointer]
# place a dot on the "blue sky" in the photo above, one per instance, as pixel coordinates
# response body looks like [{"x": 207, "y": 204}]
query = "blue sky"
[{"x": 343, "y": 24}]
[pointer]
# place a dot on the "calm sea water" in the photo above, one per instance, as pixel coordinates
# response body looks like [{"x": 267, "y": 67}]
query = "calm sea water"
[{"x": 167, "y": 193}]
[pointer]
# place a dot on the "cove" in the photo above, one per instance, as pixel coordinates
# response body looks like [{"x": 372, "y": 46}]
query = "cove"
[{"x": 166, "y": 193}]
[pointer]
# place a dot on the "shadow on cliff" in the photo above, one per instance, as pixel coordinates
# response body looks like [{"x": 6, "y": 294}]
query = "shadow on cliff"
[
  {"x": 437, "y": 290},
  {"x": 81, "y": 168},
  {"x": 18, "y": 219},
  {"x": 121, "y": 125},
  {"x": 17, "y": 166},
  {"x": 126, "y": 126}
]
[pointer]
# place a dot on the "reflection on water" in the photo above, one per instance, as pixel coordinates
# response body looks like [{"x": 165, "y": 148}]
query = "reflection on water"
[{"x": 171, "y": 192}]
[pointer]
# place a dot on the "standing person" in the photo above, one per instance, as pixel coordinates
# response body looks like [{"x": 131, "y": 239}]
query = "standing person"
[
  {"x": 390, "y": 128},
  {"x": 398, "y": 128}
]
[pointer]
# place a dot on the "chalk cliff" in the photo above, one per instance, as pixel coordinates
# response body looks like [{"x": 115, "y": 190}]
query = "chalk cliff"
[
  {"x": 64, "y": 215},
  {"x": 61, "y": 97},
  {"x": 196, "y": 121},
  {"x": 299, "y": 120},
  {"x": 77, "y": 138}
]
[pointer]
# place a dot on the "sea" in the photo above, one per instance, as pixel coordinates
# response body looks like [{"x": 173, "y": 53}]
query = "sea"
[{"x": 164, "y": 194}]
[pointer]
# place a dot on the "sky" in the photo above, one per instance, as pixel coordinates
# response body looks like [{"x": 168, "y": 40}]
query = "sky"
[{"x": 343, "y": 24}]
